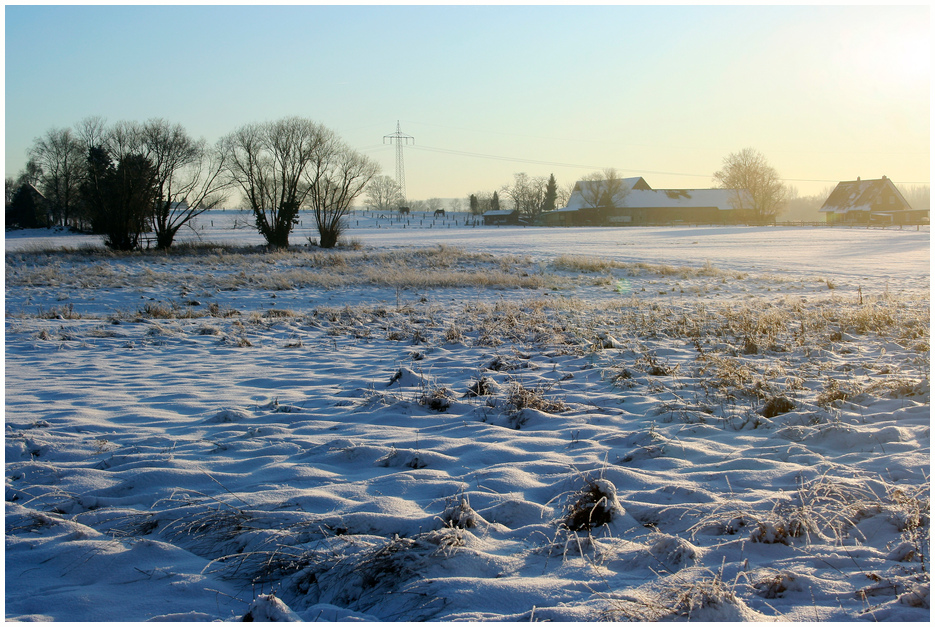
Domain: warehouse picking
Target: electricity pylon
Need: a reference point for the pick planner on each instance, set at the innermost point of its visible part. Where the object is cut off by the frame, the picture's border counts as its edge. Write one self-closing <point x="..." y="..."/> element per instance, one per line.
<point x="401" y="140"/>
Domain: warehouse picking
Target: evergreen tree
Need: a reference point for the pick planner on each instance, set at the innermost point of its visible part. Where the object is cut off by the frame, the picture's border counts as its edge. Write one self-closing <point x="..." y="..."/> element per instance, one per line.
<point x="495" y="202"/>
<point x="120" y="199"/>
<point x="94" y="189"/>
<point x="551" y="193"/>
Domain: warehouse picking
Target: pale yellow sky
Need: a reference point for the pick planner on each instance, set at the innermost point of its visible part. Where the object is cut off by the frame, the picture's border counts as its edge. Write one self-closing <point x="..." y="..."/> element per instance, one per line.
<point x="825" y="93"/>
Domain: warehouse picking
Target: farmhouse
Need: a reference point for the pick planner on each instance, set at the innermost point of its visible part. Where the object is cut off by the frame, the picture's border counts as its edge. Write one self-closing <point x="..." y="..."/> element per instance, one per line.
<point x="28" y="209"/>
<point x="636" y="203"/>
<point x="870" y="201"/>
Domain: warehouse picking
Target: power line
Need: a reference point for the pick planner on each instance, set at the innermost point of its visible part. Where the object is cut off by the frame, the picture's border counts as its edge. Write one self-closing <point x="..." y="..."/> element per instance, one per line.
<point x="542" y="162"/>
<point x="479" y="155"/>
<point x="523" y="135"/>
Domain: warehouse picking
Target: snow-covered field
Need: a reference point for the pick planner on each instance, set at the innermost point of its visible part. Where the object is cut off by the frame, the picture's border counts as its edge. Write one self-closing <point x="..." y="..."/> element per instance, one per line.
<point x="445" y="421"/>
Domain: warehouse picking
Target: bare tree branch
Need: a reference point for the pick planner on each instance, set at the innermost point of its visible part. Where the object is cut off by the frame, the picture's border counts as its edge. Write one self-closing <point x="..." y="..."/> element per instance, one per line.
<point x="756" y="185"/>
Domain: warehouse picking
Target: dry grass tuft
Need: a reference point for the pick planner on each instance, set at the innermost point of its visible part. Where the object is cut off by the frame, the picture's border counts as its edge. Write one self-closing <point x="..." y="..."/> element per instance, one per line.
<point x="777" y="405"/>
<point x="594" y="505"/>
<point x="485" y="386"/>
<point x="63" y="312"/>
<point x="438" y="399"/>
<point x="685" y="596"/>
<point x="521" y="397"/>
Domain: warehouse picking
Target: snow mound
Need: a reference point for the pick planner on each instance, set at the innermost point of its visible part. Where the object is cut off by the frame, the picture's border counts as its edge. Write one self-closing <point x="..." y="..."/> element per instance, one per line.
<point x="406" y="378"/>
<point x="181" y="617"/>
<point x="674" y="552"/>
<point x="229" y="415"/>
<point x="325" y="612"/>
<point x="268" y="609"/>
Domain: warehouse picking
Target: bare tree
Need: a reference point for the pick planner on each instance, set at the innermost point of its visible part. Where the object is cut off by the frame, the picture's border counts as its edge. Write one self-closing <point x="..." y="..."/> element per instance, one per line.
<point x="269" y="163"/>
<point x="188" y="175"/>
<point x="416" y="205"/>
<point x="433" y="204"/>
<point x="756" y="184"/>
<point x="123" y="138"/>
<point x="604" y="189"/>
<point x="336" y="175"/>
<point x="527" y="193"/>
<point x="383" y="193"/>
<point x="918" y="196"/>
<point x="92" y="131"/>
<point x="31" y="174"/>
<point x="563" y="193"/>
<point x="805" y="208"/>
<point x="62" y="160"/>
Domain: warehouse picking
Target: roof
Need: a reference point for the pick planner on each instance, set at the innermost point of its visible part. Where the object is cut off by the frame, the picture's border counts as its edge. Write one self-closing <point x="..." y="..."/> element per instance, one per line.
<point x="639" y="194"/>
<point x="681" y="198"/>
<point x="577" y="201"/>
<point x="499" y="212"/>
<point x="32" y="190"/>
<point x="671" y="198"/>
<point x="862" y="196"/>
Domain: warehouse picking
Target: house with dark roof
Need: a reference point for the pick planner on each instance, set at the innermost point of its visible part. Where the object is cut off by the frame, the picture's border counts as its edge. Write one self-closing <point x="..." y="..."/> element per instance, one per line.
<point x="870" y="201"/>
<point x="28" y="209"/>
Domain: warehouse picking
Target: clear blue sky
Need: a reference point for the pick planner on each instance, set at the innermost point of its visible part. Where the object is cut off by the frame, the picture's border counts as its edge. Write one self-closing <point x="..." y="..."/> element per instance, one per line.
<point x="825" y="93"/>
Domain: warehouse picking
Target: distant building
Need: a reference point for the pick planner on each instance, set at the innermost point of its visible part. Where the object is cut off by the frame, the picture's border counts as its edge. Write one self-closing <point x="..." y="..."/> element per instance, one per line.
<point x="675" y="206"/>
<point x="28" y="209"/>
<point x="501" y="216"/>
<point x="870" y="201"/>
<point x="636" y="203"/>
<point x="585" y="190"/>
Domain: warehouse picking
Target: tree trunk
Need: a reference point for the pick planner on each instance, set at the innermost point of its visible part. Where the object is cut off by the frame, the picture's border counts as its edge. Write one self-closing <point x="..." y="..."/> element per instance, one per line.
<point x="277" y="238"/>
<point x="328" y="238"/>
<point x="164" y="238"/>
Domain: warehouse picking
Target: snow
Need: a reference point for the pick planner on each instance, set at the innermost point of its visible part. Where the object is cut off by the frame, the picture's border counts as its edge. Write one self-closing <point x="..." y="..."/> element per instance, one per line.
<point x="280" y="437"/>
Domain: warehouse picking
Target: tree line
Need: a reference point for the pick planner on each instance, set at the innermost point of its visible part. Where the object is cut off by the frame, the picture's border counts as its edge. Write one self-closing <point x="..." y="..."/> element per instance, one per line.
<point x="531" y="196"/>
<point x="760" y="190"/>
<point x="130" y="178"/>
<point x="384" y="194"/>
<point x="527" y="194"/>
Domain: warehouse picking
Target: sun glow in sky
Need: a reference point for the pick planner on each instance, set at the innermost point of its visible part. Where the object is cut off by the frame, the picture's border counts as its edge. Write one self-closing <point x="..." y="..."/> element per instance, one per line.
<point x="826" y="93"/>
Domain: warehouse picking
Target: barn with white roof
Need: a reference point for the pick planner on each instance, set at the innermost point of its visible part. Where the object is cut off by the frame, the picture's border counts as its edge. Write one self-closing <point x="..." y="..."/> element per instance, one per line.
<point x="636" y="203"/>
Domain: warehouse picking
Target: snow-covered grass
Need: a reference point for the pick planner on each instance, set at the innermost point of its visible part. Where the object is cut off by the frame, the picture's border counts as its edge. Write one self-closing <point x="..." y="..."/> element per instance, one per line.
<point x="442" y="421"/>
